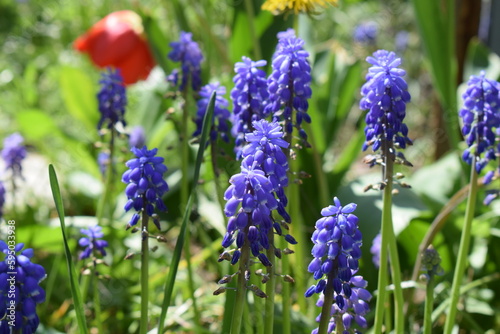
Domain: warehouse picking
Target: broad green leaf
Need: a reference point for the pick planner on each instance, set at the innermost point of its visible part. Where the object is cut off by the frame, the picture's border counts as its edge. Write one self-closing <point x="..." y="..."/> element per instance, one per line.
<point x="36" y="124"/>
<point x="73" y="280"/>
<point x="79" y="96"/>
<point x="169" y="284"/>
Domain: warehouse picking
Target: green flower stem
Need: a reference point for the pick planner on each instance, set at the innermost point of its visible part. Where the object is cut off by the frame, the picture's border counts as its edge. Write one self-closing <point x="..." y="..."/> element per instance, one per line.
<point x="429" y="302"/>
<point x="97" y="300"/>
<point x="184" y="198"/>
<point x="326" y="310"/>
<point x="270" y="286"/>
<point x="258" y="305"/>
<point x="108" y="185"/>
<point x="253" y="31"/>
<point x="285" y="291"/>
<point x="388" y="238"/>
<point x="462" y="253"/>
<point x="144" y="272"/>
<point x="241" y="288"/>
<point x="215" y="170"/>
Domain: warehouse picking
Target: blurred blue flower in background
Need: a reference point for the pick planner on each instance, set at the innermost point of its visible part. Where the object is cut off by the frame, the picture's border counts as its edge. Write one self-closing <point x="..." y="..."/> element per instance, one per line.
<point x="13" y="153"/>
<point x="365" y="33"/>
<point x="92" y="242"/>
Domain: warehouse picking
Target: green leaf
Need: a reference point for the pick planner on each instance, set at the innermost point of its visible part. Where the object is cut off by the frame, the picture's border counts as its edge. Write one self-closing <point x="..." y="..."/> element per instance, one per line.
<point x="157" y="41"/>
<point x="75" y="289"/>
<point x="169" y="284"/>
<point x="78" y="93"/>
<point x="36" y="124"/>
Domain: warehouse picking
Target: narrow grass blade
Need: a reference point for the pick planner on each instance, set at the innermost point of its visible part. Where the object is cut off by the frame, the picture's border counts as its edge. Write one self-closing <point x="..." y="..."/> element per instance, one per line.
<point x="75" y="290"/>
<point x="169" y="284"/>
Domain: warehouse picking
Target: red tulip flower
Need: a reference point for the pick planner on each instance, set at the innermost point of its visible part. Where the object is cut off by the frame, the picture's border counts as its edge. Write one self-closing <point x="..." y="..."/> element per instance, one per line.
<point x="118" y="41"/>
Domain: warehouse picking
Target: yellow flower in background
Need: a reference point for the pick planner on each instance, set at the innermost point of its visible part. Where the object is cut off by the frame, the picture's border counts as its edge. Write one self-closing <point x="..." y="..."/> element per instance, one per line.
<point x="297" y="6"/>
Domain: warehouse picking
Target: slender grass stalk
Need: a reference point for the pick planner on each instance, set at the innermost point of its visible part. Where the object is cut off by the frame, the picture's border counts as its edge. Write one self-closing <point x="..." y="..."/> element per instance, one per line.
<point x="388" y="313"/>
<point x="97" y="300"/>
<point x="286" y="292"/>
<point x="399" y="315"/>
<point x="247" y="323"/>
<point x="462" y="252"/>
<point x="184" y="198"/>
<point x="144" y="273"/>
<point x="270" y="286"/>
<point x="215" y="170"/>
<point x="258" y="304"/>
<point x="241" y="288"/>
<point x="429" y="302"/>
<point x="253" y="31"/>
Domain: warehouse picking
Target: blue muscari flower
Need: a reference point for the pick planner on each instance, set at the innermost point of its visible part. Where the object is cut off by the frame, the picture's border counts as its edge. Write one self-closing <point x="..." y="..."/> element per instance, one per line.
<point x="481" y="117"/>
<point x="221" y="113"/>
<point x="385" y="95"/>
<point x="375" y="250"/>
<point x="336" y="251"/>
<point x="18" y="301"/>
<point x="188" y="53"/>
<point x="137" y="138"/>
<point x="103" y="160"/>
<point x="289" y="83"/>
<point x="251" y="197"/>
<point x="112" y="99"/>
<point x="13" y="153"/>
<point x="145" y="184"/>
<point x="2" y="198"/>
<point x="401" y="41"/>
<point x="249" y="97"/>
<point x="365" y="33"/>
<point x="92" y="242"/>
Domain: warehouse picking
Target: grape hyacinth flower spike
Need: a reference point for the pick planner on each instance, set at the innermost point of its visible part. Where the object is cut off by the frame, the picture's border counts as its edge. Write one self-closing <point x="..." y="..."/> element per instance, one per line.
<point x="20" y="275"/>
<point x="481" y="117"/>
<point x="188" y="53"/>
<point x="112" y="99"/>
<point x="336" y="251"/>
<point x="289" y="84"/>
<point x="13" y="153"/>
<point x="145" y="185"/>
<point x="221" y="113"/>
<point x="92" y="242"/>
<point x="385" y="95"/>
<point x="249" y="97"/>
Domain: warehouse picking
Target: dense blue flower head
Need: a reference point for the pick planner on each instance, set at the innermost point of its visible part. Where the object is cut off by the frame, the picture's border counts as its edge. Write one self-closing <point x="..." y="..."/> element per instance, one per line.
<point x="112" y="99"/>
<point x="188" y="53"/>
<point x="249" y="97"/>
<point x="20" y="291"/>
<point x="385" y="95"/>
<point x="289" y="83"/>
<point x="2" y="198"/>
<point x="481" y="118"/>
<point x="221" y="113"/>
<point x="137" y="138"/>
<point x="365" y="33"/>
<point x="92" y="242"/>
<point x="256" y="191"/>
<point x="13" y="153"/>
<point x="145" y="183"/>
<point x="336" y="251"/>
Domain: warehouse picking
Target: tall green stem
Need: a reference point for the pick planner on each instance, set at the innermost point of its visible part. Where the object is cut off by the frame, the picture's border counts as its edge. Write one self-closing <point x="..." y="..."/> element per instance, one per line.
<point x="285" y="291"/>
<point x="270" y="286"/>
<point x="97" y="300"/>
<point x="462" y="253"/>
<point x="429" y="302"/>
<point x="108" y="185"/>
<point x="326" y="310"/>
<point x="144" y="273"/>
<point x="241" y="288"/>
<point x="388" y="238"/>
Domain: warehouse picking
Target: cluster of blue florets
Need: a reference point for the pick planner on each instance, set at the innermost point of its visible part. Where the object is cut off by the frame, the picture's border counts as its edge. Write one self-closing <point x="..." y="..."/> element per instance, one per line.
<point x="188" y="53"/>
<point x="145" y="183"/>
<point x="385" y="95"/>
<point x="336" y="251"/>
<point x="20" y="290"/>
<point x="112" y="99"/>
<point x="92" y="242"/>
<point x="256" y="191"/>
<point x="481" y="118"/>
